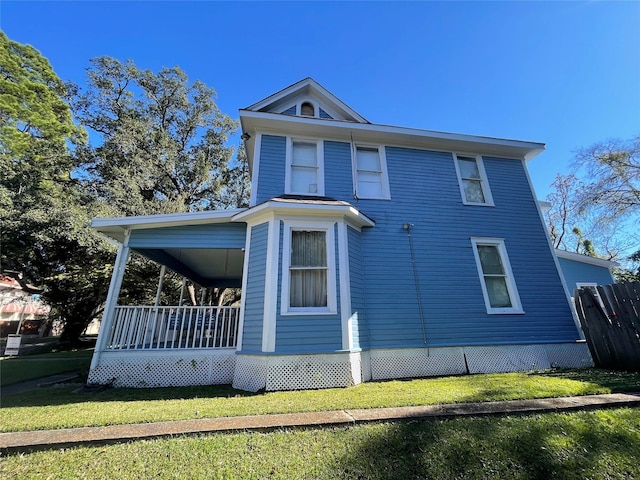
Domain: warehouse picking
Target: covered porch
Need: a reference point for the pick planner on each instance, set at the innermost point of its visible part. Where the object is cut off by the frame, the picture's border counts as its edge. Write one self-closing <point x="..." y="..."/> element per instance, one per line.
<point x="190" y="342"/>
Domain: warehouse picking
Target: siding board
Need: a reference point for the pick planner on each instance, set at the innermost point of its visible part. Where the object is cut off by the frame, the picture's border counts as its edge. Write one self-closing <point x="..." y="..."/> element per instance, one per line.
<point x="254" y="295"/>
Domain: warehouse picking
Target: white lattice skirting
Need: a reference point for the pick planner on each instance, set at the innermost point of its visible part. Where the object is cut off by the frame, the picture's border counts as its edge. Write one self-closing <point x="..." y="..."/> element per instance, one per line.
<point x="164" y="369"/>
<point x="426" y="362"/>
<point x="342" y="369"/>
<point x="298" y="372"/>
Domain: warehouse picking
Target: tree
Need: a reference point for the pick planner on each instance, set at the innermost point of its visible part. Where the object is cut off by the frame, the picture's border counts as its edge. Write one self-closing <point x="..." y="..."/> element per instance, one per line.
<point x="162" y="149"/>
<point x="613" y="167"/>
<point x="162" y="152"/>
<point x="601" y="215"/>
<point x="43" y="210"/>
<point x="163" y="145"/>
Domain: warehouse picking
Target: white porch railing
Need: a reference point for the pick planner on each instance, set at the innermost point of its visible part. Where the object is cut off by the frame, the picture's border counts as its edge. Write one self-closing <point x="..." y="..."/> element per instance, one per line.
<point x="157" y="328"/>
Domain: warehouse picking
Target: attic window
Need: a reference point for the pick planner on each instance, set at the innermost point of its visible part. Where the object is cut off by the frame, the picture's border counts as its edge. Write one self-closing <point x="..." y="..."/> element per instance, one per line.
<point x="307" y="110"/>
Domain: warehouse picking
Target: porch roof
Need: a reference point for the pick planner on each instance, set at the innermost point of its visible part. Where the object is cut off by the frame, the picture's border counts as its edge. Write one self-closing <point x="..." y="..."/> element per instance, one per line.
<point x="202" y="246"/>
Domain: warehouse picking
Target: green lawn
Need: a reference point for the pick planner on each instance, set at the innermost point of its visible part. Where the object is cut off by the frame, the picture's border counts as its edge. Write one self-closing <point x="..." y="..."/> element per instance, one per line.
<point x="70" y="407"/>
<point x="602" y="444"/>
<point x="20" y="369"/>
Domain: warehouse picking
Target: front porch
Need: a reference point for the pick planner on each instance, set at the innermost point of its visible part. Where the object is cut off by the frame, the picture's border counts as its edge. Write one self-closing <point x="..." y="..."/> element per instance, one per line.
<point x="191" y="342"/>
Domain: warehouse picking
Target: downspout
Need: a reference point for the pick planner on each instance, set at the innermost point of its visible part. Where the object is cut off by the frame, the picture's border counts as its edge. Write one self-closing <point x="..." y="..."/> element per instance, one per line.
<point x="408" y="227"/>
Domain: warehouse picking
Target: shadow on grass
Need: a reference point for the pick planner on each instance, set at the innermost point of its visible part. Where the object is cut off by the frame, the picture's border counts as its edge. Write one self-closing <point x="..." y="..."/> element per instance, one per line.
<point x="74" y="394"/>
<point x="599" y="444"/>
<point x="595" y="381"/>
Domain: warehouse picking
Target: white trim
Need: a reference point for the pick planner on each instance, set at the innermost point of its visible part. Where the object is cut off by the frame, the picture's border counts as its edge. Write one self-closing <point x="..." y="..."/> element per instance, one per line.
<point x="245" y="277"/>
<point x="345" y="287"/>
<point x="600" y="262"/>
<point x="593" y="286"/>
<point x="516" y="305"/>
<point x="271" y="287"/>
<point x="310" y="87"/>
<point x="390" y="135"/>
<point x="384" y="178"/>
<point x="166" y="220"/>
<point x="117" y="276"/>
<point x="349" y="212"/>
<point x="328" y="228"/>
<point x="484" y="181"/>
<point x="319" y="168"/>
<point x="255" y="171"/>
<point x="553" y="253"/>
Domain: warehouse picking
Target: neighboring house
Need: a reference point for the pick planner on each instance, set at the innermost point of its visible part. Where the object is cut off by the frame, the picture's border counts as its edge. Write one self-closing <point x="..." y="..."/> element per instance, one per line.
<point x="584" y="271"/>
<point x="19" y="309"/>
<point x="367" y="252"/>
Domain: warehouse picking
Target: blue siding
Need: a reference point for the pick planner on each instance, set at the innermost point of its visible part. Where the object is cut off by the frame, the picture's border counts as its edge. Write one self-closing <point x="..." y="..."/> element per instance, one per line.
<point x="578" y="272"/>
<point x="216" y="235"/>
<point x="337" y="158"/>
<point x="323" y="114"/>
<point x="290" y="111"/>
<point x="273" y="152"/>
<point x="307" y="333"/>
<point x="254" y="295"/>
<point x="357" y="289"/>
<point x="338" y="171"/>
<point x="424" y="191"/>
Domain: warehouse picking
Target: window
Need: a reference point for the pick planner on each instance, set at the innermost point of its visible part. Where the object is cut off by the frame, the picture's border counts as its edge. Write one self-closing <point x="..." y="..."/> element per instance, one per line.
<point x="498" y="284"/>
<point x="371" y="178"/>
<point x="308" y="270"/>
<point x="593" y="288"/>
<point x="304" y="171"/>
<point x="472" y="179"/>
<point x="307" y="110"/>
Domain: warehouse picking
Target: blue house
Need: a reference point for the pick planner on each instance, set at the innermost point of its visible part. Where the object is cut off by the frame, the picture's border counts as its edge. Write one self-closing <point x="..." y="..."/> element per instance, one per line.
<point x="368" y="252"/>
<point x="584" y="271"/>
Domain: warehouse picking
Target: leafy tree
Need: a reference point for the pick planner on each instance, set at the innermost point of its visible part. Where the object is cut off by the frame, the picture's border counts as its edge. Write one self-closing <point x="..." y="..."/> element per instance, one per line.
<point x="163" y="141"/>
<point x="43" y="210"/>
<point x="163" y="151"/>
<point x="161" y="147"/>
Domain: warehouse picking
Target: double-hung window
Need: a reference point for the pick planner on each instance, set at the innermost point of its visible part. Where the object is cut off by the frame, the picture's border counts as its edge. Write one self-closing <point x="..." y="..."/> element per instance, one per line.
<point x="304" y="167"/>
<point x="474" y="186"/>
<point x="498" y="284"/>
<point x="308" y="269"/>
<point x="371" y="177"/>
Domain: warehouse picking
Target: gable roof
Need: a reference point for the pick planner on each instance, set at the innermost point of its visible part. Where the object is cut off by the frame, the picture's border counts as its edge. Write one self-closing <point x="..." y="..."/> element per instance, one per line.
<point x="267" y="116"/>
<point x="577" y="257"/>
<point x="307" y="87"/>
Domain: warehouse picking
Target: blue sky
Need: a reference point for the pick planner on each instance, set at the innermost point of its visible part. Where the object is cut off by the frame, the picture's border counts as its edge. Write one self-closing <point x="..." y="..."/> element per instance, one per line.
<point x="566" y="73"/>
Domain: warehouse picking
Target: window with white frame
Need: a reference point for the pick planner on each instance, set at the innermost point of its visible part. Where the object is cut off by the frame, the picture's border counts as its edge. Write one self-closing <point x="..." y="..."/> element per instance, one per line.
<point x="371" y="176"/>
<point x="474" y="186"/>
<point x="305" y="167"/>
<point x="308" y="269"/>
<point x="498" y="284"/>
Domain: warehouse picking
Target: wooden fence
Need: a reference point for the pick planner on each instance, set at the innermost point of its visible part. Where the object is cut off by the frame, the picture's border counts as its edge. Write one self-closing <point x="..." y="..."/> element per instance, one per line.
<point x="610" y="318"/>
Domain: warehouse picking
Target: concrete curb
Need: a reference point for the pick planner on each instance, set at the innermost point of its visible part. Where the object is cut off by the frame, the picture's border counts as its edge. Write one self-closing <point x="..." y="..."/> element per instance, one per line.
<point x="51" y="439"/>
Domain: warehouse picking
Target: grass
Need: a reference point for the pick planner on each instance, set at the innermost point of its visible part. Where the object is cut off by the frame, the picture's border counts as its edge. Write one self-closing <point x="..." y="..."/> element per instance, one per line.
<point x="602" y="444"/>
<point x="70" y="407"/>
<point x="21" y="369"/>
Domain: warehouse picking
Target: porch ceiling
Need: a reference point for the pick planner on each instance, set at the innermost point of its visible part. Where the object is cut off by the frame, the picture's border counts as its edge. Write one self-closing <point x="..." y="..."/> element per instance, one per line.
<point x="209" y="267"/>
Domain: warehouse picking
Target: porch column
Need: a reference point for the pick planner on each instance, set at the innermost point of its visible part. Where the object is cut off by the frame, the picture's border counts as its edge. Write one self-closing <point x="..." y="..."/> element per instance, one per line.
<point x="112" y="299"/>
<point x="160" y="282"/>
